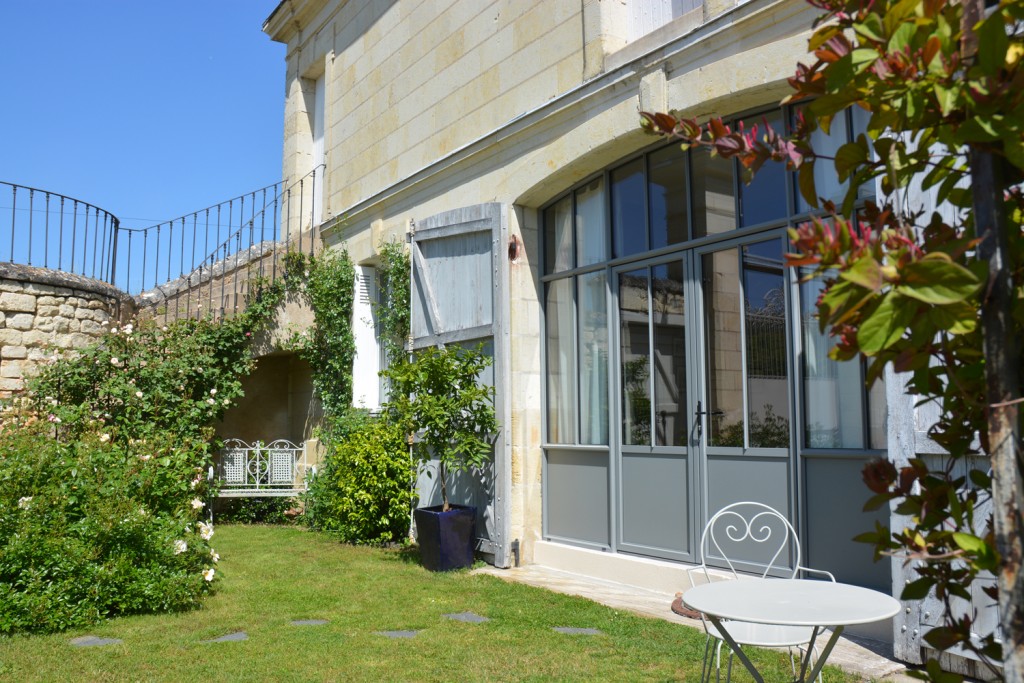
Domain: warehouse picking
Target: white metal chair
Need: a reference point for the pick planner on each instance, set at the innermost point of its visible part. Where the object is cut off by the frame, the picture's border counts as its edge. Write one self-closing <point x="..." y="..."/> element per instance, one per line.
<point x="770" y="548"/>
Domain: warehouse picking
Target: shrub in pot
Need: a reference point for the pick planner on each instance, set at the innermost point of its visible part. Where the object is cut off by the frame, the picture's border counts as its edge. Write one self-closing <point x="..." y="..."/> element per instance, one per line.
<point x="437" y="396"/>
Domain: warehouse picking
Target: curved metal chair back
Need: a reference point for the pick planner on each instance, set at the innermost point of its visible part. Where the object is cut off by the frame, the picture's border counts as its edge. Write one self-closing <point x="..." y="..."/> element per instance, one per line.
<point x="752" y="526"/>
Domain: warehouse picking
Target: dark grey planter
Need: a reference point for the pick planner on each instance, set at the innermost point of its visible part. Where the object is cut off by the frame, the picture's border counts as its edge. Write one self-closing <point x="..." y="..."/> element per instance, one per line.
<point x="446" y="539"/>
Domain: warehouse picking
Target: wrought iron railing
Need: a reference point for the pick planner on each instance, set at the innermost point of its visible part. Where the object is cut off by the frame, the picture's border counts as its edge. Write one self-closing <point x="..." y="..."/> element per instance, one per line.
<point x="51" y="230"/>
<point x="262" y="470"/>
<point x="201" y="248"/>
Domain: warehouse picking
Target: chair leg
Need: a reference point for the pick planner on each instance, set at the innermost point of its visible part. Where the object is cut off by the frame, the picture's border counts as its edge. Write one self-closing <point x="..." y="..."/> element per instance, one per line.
<point x="705" y="668"/>
<point x="718" y="662"/>
<point x="728" y="673"/>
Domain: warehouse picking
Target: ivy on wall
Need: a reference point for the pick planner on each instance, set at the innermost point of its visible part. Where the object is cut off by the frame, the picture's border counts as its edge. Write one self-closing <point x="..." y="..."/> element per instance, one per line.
<point x="393" y="281"/>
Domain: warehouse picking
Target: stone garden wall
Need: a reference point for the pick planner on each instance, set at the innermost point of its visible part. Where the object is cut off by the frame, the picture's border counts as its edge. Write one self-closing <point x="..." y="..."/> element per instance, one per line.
<point x="44" y="310"/>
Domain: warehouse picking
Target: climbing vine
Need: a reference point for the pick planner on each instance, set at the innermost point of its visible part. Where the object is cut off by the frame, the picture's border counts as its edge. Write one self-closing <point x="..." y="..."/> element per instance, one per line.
<point x="393" y="310"/>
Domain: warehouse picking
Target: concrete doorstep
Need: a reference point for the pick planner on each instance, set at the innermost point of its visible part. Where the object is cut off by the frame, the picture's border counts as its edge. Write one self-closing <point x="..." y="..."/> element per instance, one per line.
<point x="868" y="659"/>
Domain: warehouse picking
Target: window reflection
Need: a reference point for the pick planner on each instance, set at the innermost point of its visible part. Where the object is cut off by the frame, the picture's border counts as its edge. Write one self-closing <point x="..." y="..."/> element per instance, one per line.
<point x="561" y="362"/>
<point x="634" y="319"/>
<point x="667" y="196"/>
<point x="714" y="201"/>
<point x="593" y="341"/>
<point x="590" y="227"/>
<point x="721" y="280"/>
<point x="558" y="236"/>
<point x="764" y="306"/>
<point x="670" y="413"/>
<point x="629" y="227"/>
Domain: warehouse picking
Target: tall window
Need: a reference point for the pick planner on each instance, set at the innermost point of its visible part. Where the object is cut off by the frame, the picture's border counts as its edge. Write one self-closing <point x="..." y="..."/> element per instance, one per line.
<point x="641" y="209"/>
<point x="365" y="379"/>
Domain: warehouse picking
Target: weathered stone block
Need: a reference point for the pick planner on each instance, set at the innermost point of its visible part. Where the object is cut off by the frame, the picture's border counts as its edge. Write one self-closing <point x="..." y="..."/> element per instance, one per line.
<point x="20" y="321"/>
<point x="14" y="302"/>
<point x="47" y="311"/>
<point x="10" y="384"/>
<point x="94" y="304"/>
<point x="11" y="368"/>
<point x="37" y="288"/>
<point x="9" y="337"/>
<point x="77" y="341"/>
<point x="92" y="327"/>
<point x="14" y="352"/>
<point x="66" y="310"/>
<point x="56" y="324"/>
<point x="36" y="338"/>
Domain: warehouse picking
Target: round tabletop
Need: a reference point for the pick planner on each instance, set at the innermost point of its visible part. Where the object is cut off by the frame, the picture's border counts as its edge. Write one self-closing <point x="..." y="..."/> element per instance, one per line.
<point x="792" y="602"/>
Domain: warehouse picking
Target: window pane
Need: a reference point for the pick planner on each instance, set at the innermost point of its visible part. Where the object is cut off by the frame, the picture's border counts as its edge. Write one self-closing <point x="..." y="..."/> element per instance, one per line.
<point x="826" y="182"/>
<point x="666" y="194"/>
<point x="670" y="413"/>
<point x="561" y="362"/>
<point x="590" y="229"/>
<point x="833" y="391"/>
<point x="714" y="205"/>
<point x="634" y="319"/>
<point x="629" y="229"/>
<point x="764" y="199"/>
<point x="558" y="236"/>
<point x="593" y="339"/>
<point x="764" y="306"/>
<point x="724" y="358"/>
<point x="859" y="119"/>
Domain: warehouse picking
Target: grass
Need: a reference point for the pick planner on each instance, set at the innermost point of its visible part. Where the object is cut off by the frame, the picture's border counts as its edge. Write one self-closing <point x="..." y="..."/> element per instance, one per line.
<point x="270" y="576"/>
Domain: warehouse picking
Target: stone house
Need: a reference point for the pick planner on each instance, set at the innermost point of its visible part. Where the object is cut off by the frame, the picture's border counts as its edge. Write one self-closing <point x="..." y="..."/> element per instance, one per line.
<point x="654" y="360"/>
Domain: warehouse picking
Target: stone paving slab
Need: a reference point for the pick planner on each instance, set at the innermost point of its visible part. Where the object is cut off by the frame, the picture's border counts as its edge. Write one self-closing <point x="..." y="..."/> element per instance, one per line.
<point x="398" y="634"/>
<point x="309" y="622"/>
<point x="467" y="617"/>
<point x="870" y="660"/>
<point x="229" y="638"/>
<point x="94" y="641"/>
<point x="574" y="631"/>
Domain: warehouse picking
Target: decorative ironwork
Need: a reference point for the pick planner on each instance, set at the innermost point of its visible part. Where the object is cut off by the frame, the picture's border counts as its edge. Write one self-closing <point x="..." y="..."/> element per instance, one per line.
<point x="262" y="470"/>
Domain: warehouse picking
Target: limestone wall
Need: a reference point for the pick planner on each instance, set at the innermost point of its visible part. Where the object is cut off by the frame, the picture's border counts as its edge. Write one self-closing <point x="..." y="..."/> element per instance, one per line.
<point x="42" y="311"/>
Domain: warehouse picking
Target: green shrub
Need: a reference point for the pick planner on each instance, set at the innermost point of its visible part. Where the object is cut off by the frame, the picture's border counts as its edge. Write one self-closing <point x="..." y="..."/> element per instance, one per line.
<point x="102" y="472"/>
<point x="363" y="489"/>
<point x="90" y="528"/>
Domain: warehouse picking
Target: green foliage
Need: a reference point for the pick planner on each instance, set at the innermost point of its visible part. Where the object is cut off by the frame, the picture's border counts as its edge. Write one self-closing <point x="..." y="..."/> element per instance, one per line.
<point x="328" y="345"/>
<point x="393" y="280"/>
<point x="93" y="527"/>
<point x="363" y="488"/>
<point x="102" y="472"/>
<point x="437" y="395"/>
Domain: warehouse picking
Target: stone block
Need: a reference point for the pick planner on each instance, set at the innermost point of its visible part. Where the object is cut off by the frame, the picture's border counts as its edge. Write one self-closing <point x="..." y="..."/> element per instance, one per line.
<point x="11" y="384"/>
<point x="56" y="324"/>
<point x="95" y="305"/>
<point x="77" y="341"/>
<point x="9" y="337"/>
<point x="13" y="352"/>
<point x="47" y="311"/>
<point x="20" y="321"/>
<point x="14" y="302"/>
<point x="36" y="338"/>
<point x="68" y="311"/>
<point x="92" y="327"/>
<point x="37" y="288"/>
<point x="11" y="369"/>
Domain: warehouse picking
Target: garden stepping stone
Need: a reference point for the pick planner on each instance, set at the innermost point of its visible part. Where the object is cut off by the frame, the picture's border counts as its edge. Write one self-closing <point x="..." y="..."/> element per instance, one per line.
<point x="468" y="617"/>
<point x="398" y="634"/>
<point x="229" y="638"/>
<point x="309" y="622"/>
<point x="571" y="630"/>
<point x="94" y="641"/>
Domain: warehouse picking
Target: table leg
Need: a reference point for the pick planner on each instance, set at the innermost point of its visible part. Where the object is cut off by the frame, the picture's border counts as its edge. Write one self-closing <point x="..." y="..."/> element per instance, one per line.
<point x="736" y="648"/>
<point x="836" y="632"/>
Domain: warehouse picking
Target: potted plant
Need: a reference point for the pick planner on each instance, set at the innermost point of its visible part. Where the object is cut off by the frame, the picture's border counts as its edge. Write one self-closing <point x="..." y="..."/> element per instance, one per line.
<point x="438" y="397"/>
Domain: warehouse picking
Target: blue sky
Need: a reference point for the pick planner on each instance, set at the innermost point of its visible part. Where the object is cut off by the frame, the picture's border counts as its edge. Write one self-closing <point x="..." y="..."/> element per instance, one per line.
<point x="149" y="109"/>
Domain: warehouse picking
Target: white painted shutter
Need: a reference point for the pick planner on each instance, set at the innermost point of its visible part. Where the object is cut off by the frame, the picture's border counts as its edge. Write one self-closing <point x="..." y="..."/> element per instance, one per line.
<point x="365" y="380"/>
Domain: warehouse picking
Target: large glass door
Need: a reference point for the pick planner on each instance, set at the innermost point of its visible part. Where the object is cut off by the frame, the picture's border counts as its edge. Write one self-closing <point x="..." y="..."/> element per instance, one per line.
<point x="743" y="416"/>
<point x="654" y="469"/>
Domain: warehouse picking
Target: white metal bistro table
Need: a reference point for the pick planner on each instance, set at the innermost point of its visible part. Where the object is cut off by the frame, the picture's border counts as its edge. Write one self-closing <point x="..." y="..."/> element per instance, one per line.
<point x="790" y="602"/>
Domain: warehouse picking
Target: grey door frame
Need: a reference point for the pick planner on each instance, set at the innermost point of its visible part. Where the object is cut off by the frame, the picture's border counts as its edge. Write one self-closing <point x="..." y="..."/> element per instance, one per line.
<point x="617" y="448"/>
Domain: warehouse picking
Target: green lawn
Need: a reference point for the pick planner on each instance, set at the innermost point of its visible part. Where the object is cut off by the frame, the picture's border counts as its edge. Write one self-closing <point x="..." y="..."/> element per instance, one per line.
<point x="270" y="576"/>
